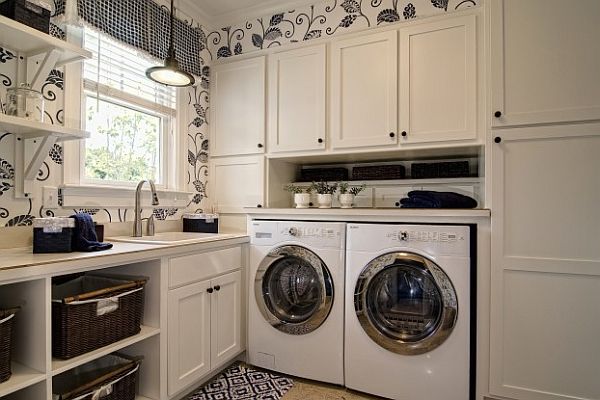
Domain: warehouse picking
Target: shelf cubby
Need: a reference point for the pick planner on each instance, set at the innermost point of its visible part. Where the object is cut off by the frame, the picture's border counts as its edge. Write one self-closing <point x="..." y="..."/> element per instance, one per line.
<point x="35" y="391"/>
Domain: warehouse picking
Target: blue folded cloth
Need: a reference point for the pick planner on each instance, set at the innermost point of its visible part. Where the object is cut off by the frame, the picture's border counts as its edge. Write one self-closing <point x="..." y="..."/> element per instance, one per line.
<point x="84" y="235"/>
<point x="431" y="199"/>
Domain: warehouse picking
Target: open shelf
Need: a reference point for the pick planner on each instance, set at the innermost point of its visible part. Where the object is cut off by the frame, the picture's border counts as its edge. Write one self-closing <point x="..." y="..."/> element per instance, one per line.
<point x="21" y="378"/>
<point x="31" y="129"/>
<point x="60" y="366"/>
<point x="29" y="42"/>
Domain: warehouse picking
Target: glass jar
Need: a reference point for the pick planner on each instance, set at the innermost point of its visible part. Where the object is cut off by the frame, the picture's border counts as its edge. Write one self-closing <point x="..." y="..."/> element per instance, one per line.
<point x="25" y="102"/>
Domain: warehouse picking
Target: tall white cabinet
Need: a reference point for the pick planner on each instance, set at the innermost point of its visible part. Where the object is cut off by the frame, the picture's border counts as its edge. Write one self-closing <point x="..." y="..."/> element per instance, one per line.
<point x="438" y="81"/>
<point x="545" y="277"/>
<point x="545" y="61"/>
<point x="364" y="94"/>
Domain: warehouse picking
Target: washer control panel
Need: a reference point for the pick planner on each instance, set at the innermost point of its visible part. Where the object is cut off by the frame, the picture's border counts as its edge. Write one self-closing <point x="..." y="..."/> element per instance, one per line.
<point x="316" y="234"/>
<point x="309" y="232"/>
<point x="425" y="236"/>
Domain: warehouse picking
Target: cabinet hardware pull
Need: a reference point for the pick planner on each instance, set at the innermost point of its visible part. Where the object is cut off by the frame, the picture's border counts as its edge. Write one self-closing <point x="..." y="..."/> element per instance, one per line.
<point x="498" y="114"/>
<point x="209" y="290"/>
<point x="259" y="206"/>
<point x="217" y="288"/>
<point x="260" y="145"/>
<point x="397" y="204"/>
<point x="392" y="134"/>
<point x="320" y="140"/>
<point x="404" y="133"/>
<point x="497" y="139"/>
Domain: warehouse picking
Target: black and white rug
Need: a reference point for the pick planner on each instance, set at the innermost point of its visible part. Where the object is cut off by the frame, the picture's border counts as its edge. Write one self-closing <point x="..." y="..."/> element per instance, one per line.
<point x="243" y="382"/>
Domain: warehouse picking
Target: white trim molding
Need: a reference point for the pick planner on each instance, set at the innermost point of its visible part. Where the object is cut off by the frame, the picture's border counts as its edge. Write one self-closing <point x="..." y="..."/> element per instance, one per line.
<point x="80" y="196"/>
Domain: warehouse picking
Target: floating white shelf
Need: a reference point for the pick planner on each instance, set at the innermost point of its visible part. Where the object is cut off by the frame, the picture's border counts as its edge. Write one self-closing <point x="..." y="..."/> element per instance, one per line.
<point x="60" y="366"/>
<point x="31" y="129"/>
<point x="21" y="378"/>
<point x="28" y="42"/>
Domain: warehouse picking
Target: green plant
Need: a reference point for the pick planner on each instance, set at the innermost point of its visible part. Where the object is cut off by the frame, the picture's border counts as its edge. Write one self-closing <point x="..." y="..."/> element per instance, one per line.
<point x="343" y="187"/>
<point x="324" y="187"/>
<point x="355" y="190"/>
<point x="295" y="189"/>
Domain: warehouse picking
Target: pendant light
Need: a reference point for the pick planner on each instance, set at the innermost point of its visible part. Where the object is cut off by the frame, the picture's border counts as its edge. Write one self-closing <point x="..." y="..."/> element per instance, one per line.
<point x="170" y="74"/>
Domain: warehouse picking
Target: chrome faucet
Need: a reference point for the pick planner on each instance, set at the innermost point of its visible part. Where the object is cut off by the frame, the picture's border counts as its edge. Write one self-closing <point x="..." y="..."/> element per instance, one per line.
<point x="137" y="223"/>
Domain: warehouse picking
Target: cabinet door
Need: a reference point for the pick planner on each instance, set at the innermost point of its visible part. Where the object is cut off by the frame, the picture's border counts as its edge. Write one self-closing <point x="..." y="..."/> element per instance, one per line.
<point x="297" y="100"/>
<point x="545" y="61"/>
<point x="438" y="81"/>
<point x="237" y="182"/>
<point x="238" y="108"/>
<point x="189" y="335"/>
<point x="226" y="318"/>
<point x="545" y="287"/>
<point x="364" y="91"/>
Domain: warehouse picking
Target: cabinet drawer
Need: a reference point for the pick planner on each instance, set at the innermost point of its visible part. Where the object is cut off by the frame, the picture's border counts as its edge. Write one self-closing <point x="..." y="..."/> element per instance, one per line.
<point x="196" y="267"/>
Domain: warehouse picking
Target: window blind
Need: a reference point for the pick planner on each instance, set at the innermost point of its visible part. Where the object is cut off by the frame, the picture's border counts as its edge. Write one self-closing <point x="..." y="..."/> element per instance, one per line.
<point x="118" y="68"/>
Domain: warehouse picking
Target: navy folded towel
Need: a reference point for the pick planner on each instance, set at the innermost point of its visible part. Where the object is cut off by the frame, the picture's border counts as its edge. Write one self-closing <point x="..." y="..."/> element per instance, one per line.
<point x="431" y="199"/>
<point x="84" y="236"/>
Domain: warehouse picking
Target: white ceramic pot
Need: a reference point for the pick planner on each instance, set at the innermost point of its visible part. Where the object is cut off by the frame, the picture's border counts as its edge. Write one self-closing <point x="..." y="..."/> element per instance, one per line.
<point x="302" y="200"/>
<point x="324" y="200"/>
<point x="346" y="200"/>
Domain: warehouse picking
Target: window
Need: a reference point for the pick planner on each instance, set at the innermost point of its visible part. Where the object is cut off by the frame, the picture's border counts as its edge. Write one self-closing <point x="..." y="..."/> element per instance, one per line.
<point x="130" y="118"/>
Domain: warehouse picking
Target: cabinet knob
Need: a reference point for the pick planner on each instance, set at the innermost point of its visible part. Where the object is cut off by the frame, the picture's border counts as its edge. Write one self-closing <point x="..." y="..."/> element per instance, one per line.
<point x="497" y="139"/>
<point x="217" y="288"/>
<point x="259" y="206"/>
<point x="404" y="133"/>
<point x="397" y="204"/>
<point x="209" y="290"/>
<point x="320" y="140"/>
<point x="392" y="134"/>
<point x="260" y="145"/>
<point x="498" y="114"/>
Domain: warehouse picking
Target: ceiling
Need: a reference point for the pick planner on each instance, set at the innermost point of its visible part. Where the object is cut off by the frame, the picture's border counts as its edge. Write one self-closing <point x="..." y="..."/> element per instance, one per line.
<point x="217" y="13"/>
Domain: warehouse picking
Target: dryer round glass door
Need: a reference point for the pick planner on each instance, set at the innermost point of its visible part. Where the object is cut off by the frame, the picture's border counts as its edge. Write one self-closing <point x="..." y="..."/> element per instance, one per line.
<point x="293" y="290"/>
<point x="405" y="303"/>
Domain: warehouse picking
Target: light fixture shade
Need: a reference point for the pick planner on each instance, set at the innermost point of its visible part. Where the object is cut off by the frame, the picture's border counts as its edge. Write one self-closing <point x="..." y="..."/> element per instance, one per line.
<point x="170" y="74"/>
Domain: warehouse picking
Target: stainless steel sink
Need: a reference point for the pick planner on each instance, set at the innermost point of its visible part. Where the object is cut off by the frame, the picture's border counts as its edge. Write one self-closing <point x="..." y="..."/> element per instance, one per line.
<point x="171" y="238"/>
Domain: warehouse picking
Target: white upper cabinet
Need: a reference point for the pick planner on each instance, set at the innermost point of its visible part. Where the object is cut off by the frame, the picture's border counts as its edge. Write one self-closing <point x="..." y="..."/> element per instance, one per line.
<point x="438" y="81"/>
<point x="297" y="100"/>
<point x="545" y="61"/>
<point x="238" y="108"/>
<point x="364" y="91"/>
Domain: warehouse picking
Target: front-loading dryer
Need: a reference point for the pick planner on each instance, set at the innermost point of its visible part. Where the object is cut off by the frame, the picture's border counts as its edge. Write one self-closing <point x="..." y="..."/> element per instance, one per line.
<point x="408" y="311"/>
<point x="296" y="298"/>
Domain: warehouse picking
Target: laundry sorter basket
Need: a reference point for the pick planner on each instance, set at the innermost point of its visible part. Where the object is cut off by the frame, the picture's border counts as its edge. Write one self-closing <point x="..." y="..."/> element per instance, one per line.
<point x="7" y="317"/>
<point x="111" y="377"/>
<point x="93" y="311"/>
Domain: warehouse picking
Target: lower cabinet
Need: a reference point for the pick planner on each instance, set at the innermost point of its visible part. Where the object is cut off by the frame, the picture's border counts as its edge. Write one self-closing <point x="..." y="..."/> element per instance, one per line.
<point x="204" y="320"/>
<point x="237" y="182"/>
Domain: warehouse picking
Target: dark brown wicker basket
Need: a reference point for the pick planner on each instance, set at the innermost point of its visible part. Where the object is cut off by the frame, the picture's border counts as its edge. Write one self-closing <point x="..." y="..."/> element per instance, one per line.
<point x="78" y="324"/>
<point x="450" y="169"/>
<point x="378" y="172"/>
<point x="6" y="330"/>
<point x="323" y="174"/>
<point x="113" y="377"/>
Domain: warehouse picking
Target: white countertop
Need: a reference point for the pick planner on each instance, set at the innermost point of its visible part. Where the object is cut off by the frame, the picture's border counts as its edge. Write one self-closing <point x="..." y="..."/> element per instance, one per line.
<point x="22" y="257"/>
<point x="374" y="212"/>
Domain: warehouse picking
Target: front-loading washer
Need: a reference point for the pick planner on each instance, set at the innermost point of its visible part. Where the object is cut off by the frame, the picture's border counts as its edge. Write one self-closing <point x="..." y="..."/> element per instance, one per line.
<point x="408" y="311"/>
<point x="296" y="298"/>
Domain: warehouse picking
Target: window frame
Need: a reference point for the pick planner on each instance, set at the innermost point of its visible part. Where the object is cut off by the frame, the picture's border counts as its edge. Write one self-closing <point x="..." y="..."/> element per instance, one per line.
<point x="174" y="186"/>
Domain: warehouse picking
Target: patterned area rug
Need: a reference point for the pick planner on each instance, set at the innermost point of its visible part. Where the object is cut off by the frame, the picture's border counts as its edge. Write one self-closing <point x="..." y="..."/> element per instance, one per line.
<point x="244" y="382"/>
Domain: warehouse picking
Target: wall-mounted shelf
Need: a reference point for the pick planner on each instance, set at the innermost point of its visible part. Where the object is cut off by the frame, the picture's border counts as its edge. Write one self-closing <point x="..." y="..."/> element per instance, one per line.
<point x="30" y="42"/>
<point x="22" y="377"/>
<point x="33" y="142"/>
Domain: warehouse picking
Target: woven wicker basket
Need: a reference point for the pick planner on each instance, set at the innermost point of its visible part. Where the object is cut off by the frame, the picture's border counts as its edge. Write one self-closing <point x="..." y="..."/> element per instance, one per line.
<point x="112" y="377"/>
<point x="378" y="172"/>
<point x="6" y="328"/>
<point x="93" y="311"/>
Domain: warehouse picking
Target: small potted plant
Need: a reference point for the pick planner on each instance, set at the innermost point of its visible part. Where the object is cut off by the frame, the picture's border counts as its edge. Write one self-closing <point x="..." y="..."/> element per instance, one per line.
<point x="301" y="194"/>
<point x="325" y="193"/>
<point x="348" y="193"/>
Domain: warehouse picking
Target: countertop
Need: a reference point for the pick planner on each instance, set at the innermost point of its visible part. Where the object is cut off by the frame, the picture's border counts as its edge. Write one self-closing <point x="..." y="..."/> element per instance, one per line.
<point x="22" y="257"/>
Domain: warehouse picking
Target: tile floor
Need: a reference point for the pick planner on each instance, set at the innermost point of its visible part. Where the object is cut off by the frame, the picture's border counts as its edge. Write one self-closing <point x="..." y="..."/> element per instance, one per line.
<point x="310" y="390"/>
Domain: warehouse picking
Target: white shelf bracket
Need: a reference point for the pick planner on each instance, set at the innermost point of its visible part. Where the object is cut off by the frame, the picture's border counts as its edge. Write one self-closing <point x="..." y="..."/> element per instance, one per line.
<point x="39" y="68"/>
<point x="29" y="156"/>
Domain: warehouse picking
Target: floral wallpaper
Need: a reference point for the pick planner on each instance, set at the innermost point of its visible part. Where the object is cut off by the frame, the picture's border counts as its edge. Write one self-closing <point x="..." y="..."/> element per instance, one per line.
<point x="20" y="212"/>
<point x="322" y="19"/>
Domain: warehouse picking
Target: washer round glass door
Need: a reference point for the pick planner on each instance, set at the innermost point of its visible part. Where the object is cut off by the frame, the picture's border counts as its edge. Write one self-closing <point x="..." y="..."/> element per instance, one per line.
<point x="293" y="289"/>
<point x="405" y="303"/>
